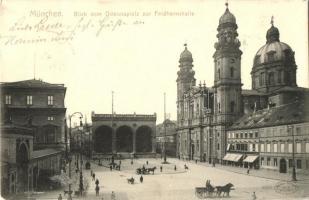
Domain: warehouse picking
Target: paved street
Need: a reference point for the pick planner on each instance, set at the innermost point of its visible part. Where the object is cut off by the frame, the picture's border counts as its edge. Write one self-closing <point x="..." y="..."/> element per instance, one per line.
<point x="180" y="185"/>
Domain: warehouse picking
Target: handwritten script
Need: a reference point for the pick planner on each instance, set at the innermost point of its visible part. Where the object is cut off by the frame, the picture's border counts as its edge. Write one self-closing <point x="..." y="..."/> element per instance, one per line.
<point x="48" y="29"/>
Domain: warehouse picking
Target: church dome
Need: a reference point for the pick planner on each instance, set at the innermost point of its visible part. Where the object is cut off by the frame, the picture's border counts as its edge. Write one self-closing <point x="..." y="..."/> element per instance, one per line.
<point x="186" y="55"/>
<point x="273" y="50"/>
<point x="227" y="17"/>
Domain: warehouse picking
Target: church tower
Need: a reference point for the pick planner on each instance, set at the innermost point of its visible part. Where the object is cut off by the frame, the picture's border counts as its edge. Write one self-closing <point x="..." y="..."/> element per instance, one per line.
<point x="227" y="81"/>
<point x="184" y="80"/>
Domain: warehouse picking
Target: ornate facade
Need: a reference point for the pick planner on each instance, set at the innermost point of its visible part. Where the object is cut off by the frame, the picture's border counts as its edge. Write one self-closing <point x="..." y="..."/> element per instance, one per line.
<point x="210" y="118"/>
<point x="123" y="135"/>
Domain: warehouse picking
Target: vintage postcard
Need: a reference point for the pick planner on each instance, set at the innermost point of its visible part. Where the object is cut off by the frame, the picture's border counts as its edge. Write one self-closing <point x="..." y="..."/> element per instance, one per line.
<point x="143" y="100"/>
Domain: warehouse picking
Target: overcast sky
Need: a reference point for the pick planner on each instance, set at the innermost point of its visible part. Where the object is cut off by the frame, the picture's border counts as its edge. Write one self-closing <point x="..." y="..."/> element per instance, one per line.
<point x="138" y="60"/>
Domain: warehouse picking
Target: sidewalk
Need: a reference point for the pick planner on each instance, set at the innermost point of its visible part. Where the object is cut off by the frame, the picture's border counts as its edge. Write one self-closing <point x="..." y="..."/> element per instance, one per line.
<point x="262" y="173"/>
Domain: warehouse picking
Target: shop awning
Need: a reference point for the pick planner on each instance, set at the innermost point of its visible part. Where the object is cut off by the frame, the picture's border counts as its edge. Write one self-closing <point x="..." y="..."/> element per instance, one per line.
<point x="227" y="156"/>
<point x="237" y="157"/>
<point x="251" y="159"/>
<point x="232" y="157"/>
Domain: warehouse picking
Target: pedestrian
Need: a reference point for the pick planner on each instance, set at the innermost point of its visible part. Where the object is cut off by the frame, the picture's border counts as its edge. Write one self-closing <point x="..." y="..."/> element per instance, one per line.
<point x="161" y="168"/>
<point x="175" y="168"/>
<point x="97" y="190"/>
<point x="113" y="196"/>
<point x="254" y="196"/>
<point x="195" y="161"/>
<point x="248" y="171"/>
<point x="132" y="162"/>
<point x="141" y="179"/>
<point x="59" y="197"/>
<point x="147" y="162"/>
<point x="93" y="176"/>
<point x="119" y="162"/>
<point x="111" y="167"/>
<point x="97" y="182"/>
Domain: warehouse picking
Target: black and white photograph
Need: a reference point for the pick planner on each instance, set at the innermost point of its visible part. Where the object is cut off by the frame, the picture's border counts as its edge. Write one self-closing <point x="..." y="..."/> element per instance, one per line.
<point x="154" y="99"/>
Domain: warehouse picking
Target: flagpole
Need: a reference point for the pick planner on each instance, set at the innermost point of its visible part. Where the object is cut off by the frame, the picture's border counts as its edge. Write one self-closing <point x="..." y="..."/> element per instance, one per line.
<point x="164" y="123"/>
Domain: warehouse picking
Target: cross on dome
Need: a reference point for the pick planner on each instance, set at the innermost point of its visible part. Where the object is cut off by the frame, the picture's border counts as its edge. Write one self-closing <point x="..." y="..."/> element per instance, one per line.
<point x="227" y="4"/>
<point x="272" y="21"/>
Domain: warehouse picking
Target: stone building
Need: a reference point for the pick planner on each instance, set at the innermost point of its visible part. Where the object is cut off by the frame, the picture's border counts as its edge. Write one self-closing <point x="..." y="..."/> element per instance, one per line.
<point x="166" y="131"/>
<point x="32" y="132"/>
<point x="39" y="105"/>
<point x="123" y="135"/>
<point x="245" y="127"/>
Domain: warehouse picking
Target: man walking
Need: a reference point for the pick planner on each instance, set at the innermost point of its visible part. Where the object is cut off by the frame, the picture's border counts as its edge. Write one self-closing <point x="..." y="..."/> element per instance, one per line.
<point x="141" y="179"/>
<point x="97" y="190"/>
<point x="113" y="196"/>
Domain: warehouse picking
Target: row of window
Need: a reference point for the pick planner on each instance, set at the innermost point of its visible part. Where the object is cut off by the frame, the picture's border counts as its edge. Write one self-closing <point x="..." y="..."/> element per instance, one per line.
<point x="260" y="80"/>
<point x="49" y="118"/>
<point x="274" y="147"/>
<point x="275" y="131"/>
<point x="29" y="100"/>
<point x="275" y="162"/>
<point x="243" y="135"/>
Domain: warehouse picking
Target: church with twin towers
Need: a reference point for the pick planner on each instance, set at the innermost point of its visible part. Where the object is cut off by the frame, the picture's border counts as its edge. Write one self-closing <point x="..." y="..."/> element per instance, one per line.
<point x="230" y="125"/>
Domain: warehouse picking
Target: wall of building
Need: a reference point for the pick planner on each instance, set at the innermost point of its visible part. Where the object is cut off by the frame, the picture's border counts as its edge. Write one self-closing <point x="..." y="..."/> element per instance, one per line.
<point x="273" y="144"/>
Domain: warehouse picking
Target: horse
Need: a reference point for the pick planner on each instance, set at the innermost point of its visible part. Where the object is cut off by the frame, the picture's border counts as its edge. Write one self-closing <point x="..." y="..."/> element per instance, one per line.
<point x="225" y="189"/>
<point x="152" y="169"/>
<point x="117" y="167"/>
<point x="130" y="180"/>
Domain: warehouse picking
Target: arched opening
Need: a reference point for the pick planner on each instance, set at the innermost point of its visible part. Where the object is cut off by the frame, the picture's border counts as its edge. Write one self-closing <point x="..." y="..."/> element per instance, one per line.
<point x="124" y="139"/>
<point x="103" y="139"/>
<point x="283" y="168"/>
<point x="143" y="139"/>
<point x="22" y="159"/>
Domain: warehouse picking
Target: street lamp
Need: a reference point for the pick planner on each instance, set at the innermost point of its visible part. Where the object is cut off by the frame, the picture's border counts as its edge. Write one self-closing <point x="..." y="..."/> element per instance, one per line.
<point x="290" y="127"/>
<point x="164" y="124"/>
<point x="70" y="157"/>
<point x="81" y="185"/>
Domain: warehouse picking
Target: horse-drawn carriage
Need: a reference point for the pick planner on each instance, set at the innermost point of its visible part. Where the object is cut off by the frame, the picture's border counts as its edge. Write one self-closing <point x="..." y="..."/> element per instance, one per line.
<point x="213" y="191"/>
<point x="143" y="170"/>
